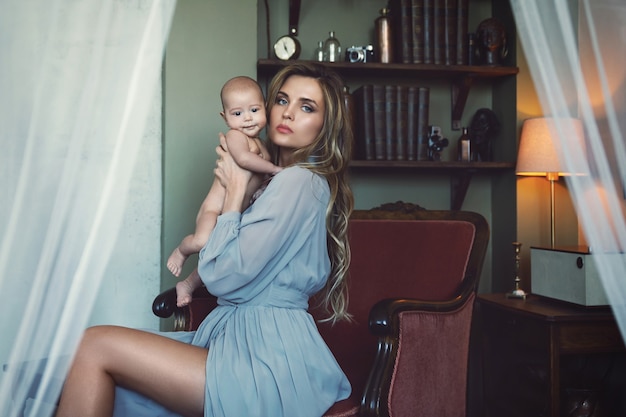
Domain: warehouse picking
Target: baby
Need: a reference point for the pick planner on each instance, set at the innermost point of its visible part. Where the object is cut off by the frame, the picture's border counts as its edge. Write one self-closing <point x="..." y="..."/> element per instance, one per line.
<point x="244" y="112"/>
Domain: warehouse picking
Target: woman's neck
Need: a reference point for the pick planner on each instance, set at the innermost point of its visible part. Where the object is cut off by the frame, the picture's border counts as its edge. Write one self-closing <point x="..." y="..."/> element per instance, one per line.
<point x="285" y="157"/>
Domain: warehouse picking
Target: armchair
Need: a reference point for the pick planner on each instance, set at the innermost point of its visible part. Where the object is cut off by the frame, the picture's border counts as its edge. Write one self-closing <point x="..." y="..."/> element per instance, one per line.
<point x="413" y="279"/>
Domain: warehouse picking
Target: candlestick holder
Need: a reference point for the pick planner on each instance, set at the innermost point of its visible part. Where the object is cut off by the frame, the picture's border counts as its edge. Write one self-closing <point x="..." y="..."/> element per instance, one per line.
<point x="517" y="291"/>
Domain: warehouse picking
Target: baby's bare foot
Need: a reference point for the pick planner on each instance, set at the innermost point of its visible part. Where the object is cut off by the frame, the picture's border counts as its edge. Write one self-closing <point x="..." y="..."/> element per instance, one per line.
<point x="184" y="291"/>
<point x="176" y="261"/>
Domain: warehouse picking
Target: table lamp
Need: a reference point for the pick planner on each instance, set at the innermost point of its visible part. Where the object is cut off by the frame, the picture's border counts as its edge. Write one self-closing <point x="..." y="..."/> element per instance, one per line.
<point x="537" y="155"/>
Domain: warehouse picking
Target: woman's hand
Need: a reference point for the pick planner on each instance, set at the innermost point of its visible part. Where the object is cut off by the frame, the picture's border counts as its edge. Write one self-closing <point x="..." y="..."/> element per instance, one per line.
<point x="232" y="177"/>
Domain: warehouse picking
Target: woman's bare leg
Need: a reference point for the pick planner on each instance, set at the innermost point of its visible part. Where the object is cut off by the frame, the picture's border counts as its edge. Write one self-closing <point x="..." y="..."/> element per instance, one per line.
<point x="170" y="372"/>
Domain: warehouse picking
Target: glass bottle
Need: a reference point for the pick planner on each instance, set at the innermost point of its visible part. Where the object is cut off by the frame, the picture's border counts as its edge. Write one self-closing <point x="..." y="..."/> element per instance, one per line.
<point x="332" y="48"/>
<point x="472" y="58"/>
<point x="318" y="54"/>
<point x="463" y="147"/>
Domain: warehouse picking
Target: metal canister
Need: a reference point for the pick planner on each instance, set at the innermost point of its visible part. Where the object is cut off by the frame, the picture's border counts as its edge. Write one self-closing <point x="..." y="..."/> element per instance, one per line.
<point x="384" y="37"/>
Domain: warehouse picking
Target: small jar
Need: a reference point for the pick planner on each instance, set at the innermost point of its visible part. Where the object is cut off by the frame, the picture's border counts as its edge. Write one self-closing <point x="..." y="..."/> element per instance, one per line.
<point x="318" y="54"/>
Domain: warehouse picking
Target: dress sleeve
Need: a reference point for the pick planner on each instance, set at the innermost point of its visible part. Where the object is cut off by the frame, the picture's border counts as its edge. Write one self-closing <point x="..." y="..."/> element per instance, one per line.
<point x="249" y="249"/>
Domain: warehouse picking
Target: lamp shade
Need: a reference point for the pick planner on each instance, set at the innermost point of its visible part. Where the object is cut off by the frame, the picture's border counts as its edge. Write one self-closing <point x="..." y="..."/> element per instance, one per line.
<point x="538" y="149"/>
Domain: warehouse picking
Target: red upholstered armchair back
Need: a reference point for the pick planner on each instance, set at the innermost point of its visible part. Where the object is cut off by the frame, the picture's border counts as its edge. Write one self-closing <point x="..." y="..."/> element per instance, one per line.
<point x="422" y="256"/>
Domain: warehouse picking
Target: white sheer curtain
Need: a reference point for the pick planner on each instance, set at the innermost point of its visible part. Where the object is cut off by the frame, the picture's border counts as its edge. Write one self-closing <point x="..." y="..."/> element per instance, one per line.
<point x="575" y="50"/>
<point x="77" y="78"/>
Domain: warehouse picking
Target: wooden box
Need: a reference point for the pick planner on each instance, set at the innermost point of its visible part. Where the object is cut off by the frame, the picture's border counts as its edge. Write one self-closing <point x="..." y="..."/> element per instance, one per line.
<point x="568" y="275"/>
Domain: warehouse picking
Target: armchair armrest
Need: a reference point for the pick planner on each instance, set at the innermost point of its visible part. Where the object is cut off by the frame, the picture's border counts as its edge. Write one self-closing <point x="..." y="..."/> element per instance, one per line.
<point x="188" y="317"/>
<point x="384" y="315"/>
<point x="164" y="304"/>
<point x="388" y="320"/>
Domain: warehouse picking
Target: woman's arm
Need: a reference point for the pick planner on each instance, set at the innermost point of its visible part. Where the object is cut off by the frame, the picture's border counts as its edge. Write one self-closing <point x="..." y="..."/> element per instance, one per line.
<point x="288" y="218"/>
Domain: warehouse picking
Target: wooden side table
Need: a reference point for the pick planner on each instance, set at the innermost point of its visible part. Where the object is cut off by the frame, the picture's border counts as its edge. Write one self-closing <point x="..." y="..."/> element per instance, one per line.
<point x="527" y="342"/>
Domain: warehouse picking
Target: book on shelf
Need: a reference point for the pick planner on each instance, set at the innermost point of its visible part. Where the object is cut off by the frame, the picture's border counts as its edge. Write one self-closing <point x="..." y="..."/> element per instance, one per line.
<point x="391" y="131"/>
<point x="364" y="109"/>
<point x="423" y="107"/>
<point x="450" y="28"/>
<point x="428" y="29"/>
<point x="462" y="30"/>
<point x="439" y="32"/>
<point x="402" y="26"/>
<point x="411" y="128"/>
<point x="402" y="123"/>
<point x="380" y="116"/>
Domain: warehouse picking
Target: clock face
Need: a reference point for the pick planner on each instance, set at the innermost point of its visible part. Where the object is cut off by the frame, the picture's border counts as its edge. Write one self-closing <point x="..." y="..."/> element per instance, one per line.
<point x="287" y="47"/>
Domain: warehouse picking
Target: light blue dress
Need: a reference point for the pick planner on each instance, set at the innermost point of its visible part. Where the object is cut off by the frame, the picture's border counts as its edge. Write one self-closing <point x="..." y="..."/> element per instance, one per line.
<point x="266" y="357"/>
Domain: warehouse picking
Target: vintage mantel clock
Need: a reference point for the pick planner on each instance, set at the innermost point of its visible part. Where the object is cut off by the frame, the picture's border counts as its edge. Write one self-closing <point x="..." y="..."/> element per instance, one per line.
<point x="288" y="47"/>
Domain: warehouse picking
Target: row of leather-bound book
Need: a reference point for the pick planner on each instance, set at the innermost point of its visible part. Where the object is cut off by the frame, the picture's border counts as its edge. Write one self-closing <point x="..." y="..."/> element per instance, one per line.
<point x="430" y="31"/>
<point x="391" y="122"/>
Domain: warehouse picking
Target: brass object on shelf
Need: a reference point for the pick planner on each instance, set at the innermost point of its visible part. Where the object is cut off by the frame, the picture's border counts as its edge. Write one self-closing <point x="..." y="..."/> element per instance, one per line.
<point x="517" y="291"/>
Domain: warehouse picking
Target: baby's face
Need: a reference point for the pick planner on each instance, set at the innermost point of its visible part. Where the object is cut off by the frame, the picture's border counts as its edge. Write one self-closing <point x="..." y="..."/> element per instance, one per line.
<point x="245" y="111"/>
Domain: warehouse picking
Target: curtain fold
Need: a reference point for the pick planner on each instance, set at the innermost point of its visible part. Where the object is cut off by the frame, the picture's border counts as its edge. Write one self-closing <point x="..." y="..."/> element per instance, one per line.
<point x="77" y="79"/>
<point x="575" y="53"/>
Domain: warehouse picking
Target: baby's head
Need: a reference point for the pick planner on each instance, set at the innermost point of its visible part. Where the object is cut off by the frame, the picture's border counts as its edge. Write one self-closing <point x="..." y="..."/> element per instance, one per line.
<point x="243" y="106"/>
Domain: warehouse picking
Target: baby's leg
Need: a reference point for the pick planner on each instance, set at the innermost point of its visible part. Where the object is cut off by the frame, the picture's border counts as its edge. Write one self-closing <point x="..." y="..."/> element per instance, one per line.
<point x="192" y="243"/>
<point x="205" y="222"/>
<point x="186" y="287"/>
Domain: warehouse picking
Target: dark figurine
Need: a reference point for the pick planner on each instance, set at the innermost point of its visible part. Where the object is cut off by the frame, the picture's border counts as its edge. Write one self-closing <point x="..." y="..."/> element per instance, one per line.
<point x="491" y="41"/>
<point x="482" y="130"/>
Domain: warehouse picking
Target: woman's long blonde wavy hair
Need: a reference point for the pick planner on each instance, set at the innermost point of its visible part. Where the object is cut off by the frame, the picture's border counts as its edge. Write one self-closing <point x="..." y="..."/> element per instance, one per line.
<point x="328" y="155"/>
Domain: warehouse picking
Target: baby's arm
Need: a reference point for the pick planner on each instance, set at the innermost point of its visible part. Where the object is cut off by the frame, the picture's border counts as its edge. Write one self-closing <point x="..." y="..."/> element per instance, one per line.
<point x="239" y="148"/>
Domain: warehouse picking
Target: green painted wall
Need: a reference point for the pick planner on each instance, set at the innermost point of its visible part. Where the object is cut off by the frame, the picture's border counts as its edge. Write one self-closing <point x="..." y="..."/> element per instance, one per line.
<point x="210" y="42"/>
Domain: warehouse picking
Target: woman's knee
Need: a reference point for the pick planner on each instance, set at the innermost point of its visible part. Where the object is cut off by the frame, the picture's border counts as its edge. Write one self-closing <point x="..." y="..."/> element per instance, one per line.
<point x="94" y="343"/>
<point x="96" y="334"/>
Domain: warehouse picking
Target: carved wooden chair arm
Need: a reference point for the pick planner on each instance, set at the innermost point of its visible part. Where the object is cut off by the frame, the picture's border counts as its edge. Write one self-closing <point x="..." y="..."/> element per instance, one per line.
<point x="188" y="317"/>
<point x="385" y="323"/>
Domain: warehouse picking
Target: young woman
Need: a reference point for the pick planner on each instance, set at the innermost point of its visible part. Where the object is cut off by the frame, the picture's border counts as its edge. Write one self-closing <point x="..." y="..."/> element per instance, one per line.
<point x="259" y="352"/>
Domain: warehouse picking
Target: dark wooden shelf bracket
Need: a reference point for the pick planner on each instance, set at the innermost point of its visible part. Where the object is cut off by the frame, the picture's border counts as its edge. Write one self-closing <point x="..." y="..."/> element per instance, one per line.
<point x="459" y="183"/>
<point x="460" y="91"/>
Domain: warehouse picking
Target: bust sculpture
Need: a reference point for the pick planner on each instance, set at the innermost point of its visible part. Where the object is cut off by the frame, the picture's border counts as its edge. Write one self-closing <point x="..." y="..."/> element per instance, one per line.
<point x="483" y="128"/>
<point x="491" y="37"/>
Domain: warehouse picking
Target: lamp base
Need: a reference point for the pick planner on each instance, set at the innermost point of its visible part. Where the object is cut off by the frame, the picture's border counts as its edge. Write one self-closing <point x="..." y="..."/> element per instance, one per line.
<point x="517" y="293"/>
